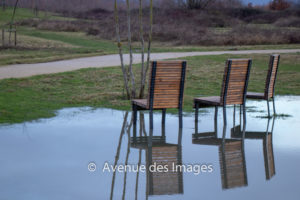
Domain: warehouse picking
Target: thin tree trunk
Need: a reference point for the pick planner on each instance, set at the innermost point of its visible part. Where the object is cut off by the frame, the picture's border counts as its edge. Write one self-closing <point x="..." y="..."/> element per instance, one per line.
<point x="36" y="9"/>
<point x="149" y="43"/>
<point x="130" y="50"/>
<point x="143" y="51"/>
<point x="3" y="5"/>
<point x="12" y="20"/>
<point x="124" y="71"/>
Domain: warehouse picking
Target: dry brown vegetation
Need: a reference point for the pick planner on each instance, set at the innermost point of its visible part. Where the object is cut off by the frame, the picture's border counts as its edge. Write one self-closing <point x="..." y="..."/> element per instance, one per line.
<point x="178" y="22"/>
<point x="226" y="26"/>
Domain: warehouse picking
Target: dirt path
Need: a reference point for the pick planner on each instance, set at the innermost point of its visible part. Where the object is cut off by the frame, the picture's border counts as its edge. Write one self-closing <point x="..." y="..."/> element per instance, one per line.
<point x="26" y="70"/>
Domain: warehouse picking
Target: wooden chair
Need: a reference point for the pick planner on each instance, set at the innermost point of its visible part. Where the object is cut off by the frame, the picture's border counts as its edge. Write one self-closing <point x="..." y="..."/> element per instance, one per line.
<point x="166" y="88"/>
<point x="234" y="88"/>
<point x="270" y="84"/>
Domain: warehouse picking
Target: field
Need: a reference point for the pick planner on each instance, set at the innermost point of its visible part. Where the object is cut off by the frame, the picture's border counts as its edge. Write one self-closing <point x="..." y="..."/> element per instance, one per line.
<point x="37" y="97"/>
<point x="51" y="36"/>
<point x="54" y="36"/>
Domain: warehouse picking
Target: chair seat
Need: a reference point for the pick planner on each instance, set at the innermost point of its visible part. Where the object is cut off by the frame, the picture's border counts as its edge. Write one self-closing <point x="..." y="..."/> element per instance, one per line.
<point x="255" y="95"/>
<point x="208" y="101"/>
<point x="141" y="103"/>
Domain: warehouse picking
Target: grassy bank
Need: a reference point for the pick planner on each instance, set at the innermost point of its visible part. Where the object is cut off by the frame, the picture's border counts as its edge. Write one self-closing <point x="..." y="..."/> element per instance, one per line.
<point x="35" y="45"/>
<point x="40" y="96"/>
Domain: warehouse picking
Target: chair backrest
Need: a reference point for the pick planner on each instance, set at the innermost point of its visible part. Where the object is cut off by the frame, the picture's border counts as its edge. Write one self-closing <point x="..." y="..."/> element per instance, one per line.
<point x="166" y="84"/>
<point x="235" y="81"/>
<point x="271" y="76"/>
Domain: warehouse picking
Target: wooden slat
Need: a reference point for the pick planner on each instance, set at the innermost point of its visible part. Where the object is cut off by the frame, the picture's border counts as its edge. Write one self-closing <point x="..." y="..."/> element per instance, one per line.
<point x="167" y="84"/>
<point x="271" y="76"/>
<point x="236" y="84"/>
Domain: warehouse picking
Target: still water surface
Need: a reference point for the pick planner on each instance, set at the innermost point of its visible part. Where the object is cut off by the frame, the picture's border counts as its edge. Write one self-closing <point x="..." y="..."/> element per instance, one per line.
<point x="49" y="158"/>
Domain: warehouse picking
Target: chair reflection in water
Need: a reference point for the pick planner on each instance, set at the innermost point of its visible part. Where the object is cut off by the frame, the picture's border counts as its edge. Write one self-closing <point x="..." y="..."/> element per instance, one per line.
<point x="231" y="156"/>
<point x="267" y="138"/>
<point x="159" y="152"/>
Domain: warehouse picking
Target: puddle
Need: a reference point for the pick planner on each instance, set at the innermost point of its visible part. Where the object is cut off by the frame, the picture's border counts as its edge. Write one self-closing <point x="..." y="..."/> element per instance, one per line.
<point x="49" y="158"/>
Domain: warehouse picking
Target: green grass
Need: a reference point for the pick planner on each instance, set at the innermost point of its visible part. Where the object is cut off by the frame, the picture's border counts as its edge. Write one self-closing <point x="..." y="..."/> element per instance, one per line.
<point x="64" y="44"/>
<point x="24" y="13"/>
<point x="40" y="96"/>
<point x="21" y="13"/>
<point x="159" y="47"/>
<point x="75" y="39"/>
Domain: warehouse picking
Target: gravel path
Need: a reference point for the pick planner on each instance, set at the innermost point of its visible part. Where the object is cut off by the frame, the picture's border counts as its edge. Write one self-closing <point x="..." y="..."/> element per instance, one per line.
<point x="26" y="70"/>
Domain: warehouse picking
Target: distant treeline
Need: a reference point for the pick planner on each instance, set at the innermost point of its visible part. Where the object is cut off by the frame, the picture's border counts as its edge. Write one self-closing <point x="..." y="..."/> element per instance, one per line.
<point x="69" y="6"/>
<point x="63" y="5"/>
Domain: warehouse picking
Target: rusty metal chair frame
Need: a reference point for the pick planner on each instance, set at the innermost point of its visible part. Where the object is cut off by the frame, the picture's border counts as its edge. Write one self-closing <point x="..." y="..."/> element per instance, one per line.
<point x="269" y="92"/>
<point x="223" y="97"/>
<point x="151" y="99"/>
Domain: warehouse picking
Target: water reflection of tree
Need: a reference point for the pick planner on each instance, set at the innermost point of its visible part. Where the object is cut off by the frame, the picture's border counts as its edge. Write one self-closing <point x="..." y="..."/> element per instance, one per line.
<point x="125" y="127"/>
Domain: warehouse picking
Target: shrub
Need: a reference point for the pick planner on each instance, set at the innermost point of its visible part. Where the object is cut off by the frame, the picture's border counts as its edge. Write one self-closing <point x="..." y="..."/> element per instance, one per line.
<point x="288" y="22"/>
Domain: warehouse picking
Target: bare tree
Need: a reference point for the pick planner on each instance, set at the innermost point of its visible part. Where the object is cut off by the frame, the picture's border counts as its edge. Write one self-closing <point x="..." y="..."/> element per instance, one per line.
<point x="198" y="4"/>
<point x="279" y="4"/>
<point x="128" y="75"/>
<point x="12" y="20"/>
<point x="142" y="49"/>
<point x="148" y="51"/>
<point x="124" y="71"/>
<point x="3" y="5"/>
<point x="131" y="75"/>
<point x="36" y="8"/>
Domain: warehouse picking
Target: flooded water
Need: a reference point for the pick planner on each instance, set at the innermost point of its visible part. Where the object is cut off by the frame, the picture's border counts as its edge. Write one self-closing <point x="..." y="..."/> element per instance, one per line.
<point x="72" y="156"/>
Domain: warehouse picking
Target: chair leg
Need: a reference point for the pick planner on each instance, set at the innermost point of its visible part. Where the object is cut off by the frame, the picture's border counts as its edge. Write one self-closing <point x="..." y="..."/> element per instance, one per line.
<point x="163" y="117"/>
<point x="134" y="133"/>
<point x="180" y="117"/>
<point x="274" y="110"/>
<point x="240" y="114"/>
<point x="224" y="115"/>
<point x="268" y="108"/>
<point x="216" y="120"/>
<point x="196" y="112"/>
<point x="134" y="108"/>
<point x="216" y="112"/>
<point x="151" y="118"/>
<point x="233" y="115"/>
<point x="244" y="115"/>
<point x="163" y="131"/>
